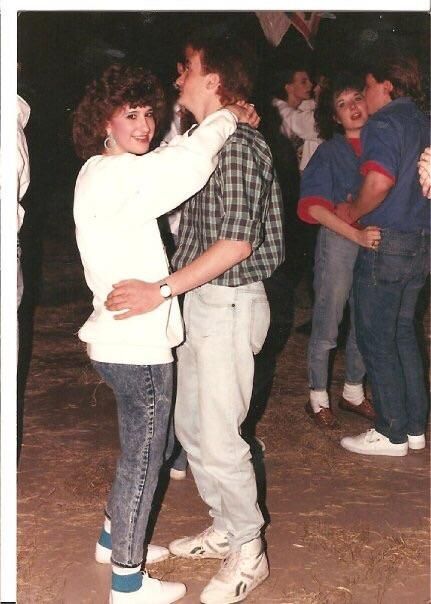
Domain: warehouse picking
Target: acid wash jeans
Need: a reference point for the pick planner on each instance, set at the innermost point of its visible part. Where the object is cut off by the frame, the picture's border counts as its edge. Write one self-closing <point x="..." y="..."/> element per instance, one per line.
<point x="144" y="398"/>
<point x="335" y="259"/>
<point x="386" y="288"/>
<point x="225" y="327"/>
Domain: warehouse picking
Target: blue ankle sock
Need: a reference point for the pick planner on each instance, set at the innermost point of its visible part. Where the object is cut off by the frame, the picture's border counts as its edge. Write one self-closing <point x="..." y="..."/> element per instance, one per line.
<point x="127" y="583"/>
<point x="105" y="539"/>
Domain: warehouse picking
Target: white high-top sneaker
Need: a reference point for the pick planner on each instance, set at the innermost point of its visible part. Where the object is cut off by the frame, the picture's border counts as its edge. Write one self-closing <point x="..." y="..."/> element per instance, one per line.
<point x="152" y="591"/>
<point x="208" y="544"/>
<point x="240" y="573"/>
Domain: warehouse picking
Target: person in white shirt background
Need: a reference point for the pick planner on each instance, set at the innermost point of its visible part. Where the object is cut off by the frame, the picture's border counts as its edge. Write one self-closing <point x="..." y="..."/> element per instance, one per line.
<point x="23" y="181"/>
<point x="296" y="105"/>
<point x="23" y="178"/>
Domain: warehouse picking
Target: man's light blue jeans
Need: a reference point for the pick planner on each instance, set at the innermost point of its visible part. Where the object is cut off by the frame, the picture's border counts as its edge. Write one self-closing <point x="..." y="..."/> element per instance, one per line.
<point x="335" y="259"/>
<point x="225" y="327"/>
<point x="386" y="288"/>
<point x="144" y="398"/>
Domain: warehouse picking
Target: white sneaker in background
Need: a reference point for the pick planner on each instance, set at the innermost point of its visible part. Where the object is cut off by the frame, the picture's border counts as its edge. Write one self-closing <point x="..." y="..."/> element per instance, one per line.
<point x="155" y="553"/>
<point x="177" y="474"/>
<point x="372" y="442"/>
<point x="416" y="442"/>
<point x="241" y="572"/>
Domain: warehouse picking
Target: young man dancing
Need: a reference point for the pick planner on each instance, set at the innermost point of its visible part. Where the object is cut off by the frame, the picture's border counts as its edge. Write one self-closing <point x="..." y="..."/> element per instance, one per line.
<point x="389" y="279"/>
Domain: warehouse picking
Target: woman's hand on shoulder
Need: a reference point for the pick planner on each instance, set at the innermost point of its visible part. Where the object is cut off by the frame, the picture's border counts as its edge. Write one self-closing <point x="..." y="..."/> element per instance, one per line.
<point x="245" y="113"/>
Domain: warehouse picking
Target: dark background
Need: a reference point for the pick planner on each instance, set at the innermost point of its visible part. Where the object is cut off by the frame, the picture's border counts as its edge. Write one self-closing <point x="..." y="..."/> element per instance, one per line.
<point x="60" y="52"/>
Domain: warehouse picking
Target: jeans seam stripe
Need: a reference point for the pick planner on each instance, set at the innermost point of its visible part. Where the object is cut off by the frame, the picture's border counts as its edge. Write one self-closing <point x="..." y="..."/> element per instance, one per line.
<point x="145" y="459"/>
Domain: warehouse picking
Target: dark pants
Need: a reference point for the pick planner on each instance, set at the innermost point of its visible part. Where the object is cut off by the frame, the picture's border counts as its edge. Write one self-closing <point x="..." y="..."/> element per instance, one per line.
<point x="279" y="290"/>
<point x="387" y="284"/>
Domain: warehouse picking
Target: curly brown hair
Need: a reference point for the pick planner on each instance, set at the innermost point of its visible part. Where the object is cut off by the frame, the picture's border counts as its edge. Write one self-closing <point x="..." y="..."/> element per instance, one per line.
<point x="118" y="86"/>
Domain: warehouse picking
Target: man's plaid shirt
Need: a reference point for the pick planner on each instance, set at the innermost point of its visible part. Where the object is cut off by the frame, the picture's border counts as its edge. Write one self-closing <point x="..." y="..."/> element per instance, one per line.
<point x="241" y="201"/>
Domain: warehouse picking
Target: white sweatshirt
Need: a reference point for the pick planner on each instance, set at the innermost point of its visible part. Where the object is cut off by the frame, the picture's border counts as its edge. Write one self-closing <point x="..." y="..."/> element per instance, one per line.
<point x="23" y="166"/>
<point x="300" y="122"/>
<point x="174" y="218"/>
<point x="117" y="201"/>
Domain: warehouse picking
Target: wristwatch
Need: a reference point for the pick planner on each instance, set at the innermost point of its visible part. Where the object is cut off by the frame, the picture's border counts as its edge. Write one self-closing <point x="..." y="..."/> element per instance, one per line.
<point x="165" y="291"/>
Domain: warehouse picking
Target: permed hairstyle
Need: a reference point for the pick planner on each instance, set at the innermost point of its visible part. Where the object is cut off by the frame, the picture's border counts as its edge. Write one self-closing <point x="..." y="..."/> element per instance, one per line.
<point x="325" y="109"/>
<point x="118" y="86"/>
<point x="402" y="72"/>
<point x="230" y="57"/>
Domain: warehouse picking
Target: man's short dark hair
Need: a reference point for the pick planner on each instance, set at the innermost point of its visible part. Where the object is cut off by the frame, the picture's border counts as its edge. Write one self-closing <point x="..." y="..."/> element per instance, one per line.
<point x="285" y="76"/>
<point x="231" y="57"/>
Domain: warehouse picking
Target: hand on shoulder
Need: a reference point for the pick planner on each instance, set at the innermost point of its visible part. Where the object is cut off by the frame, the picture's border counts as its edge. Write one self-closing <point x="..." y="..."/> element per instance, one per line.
<point x="245" y="113"/>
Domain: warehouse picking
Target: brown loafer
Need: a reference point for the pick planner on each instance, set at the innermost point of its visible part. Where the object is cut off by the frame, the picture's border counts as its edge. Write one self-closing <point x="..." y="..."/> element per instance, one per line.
<point x="365" y="409"/>
<point x="323" y="418"/>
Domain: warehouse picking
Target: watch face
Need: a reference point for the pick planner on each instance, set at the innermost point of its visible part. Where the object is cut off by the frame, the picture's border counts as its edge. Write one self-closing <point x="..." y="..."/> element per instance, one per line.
<point x="165" y="290"/>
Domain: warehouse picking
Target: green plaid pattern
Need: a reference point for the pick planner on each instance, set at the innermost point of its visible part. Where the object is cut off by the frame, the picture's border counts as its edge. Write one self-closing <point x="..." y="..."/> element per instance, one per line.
<point x="242" y="202"/>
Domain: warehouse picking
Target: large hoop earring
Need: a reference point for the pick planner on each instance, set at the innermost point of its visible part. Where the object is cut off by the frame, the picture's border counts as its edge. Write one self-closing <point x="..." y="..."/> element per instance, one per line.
<point x="109" y="142"/>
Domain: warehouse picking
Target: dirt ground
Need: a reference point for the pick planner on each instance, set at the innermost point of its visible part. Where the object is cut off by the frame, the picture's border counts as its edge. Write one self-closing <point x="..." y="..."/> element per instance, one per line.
<point x="344" y="529"/>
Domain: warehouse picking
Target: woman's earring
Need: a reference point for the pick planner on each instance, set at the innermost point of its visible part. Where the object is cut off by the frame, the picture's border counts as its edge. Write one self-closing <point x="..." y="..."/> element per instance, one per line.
<point x="109" y="142"/>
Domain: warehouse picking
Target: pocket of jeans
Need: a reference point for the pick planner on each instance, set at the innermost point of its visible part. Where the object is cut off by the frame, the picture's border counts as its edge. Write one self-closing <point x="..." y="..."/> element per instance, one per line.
<point x="393" y="268"/>
<point x="213" y="316"/>
<point x="259" y="324"/>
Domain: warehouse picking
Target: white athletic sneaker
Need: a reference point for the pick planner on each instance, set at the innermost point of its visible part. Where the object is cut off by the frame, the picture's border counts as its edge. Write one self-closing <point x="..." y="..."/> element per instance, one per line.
<point x="240" y="573"/>
<point x="372" y="442"/>
<point x="416" y="442"/>
<point x="208" y="544"/>
<point x="177" y="474"/>
<point x="155" y="553"/>
<point x="152" y="591"/>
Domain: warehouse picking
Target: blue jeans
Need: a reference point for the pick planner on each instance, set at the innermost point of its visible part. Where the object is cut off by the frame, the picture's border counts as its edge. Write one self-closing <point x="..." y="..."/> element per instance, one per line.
<point x="144" y="397"/>
<point x="386" y="288"/>
<point x="335" y="259"/>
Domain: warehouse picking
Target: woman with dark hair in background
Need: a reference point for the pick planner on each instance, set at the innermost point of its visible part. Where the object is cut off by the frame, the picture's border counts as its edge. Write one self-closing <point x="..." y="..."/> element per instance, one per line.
<point x="330" y="177"/>
<point x="120" y="192"/>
